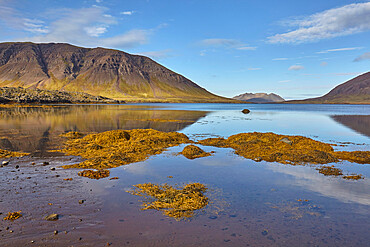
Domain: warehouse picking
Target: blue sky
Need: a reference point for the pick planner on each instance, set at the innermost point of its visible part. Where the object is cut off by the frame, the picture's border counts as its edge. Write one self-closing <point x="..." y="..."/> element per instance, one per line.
<point x="297" y="49"/>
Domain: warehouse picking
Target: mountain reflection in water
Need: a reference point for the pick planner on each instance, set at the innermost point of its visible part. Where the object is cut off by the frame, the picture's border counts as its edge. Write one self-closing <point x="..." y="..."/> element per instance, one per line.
<point x="359" y="123"/>
<point x="36" y="129"/>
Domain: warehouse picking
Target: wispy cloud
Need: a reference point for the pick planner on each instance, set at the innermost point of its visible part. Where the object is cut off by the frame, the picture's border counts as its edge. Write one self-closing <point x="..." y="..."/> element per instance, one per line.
<point x="280" y="59"/>
<point x="227" y="43"/>
<point x="365" y="56"/>
<point x="283" y="81"/>
<point x="296" y="67"/>
<point x="254" y="68"/>
<point x="346" y="20"/>
<point x="127" y="12"/>
<point x="340" y="49"/>
<point x="87" y="27"/>
<point x="16" y="20"/>
<point x="157" y="54"/>
<point x="247" y="48"/>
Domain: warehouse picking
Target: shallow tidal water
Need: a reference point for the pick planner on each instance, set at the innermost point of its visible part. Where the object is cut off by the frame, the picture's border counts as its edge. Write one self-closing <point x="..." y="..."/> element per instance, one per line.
<point x="252" y="203"/>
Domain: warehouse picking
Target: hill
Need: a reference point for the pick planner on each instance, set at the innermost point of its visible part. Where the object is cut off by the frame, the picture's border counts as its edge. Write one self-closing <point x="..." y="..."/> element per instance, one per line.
<point x="97" y="71"/>
<point x="354" y="91"/>
<point x="259" y="97"/>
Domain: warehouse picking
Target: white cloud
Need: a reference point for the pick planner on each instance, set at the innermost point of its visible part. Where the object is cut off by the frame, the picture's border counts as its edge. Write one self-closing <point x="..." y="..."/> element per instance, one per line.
<point x="95" y="31"/>
<point x="86" y="27"/>
<point x="285" y="81"/>
<point x="34" y="26"/>
<point x="340" y="49"/>
<point x="228" y="43"/>
<point x="296" y="67"/>
<point x="220" y="42"/>
<point x="280" y="59"/>
<point x="365" y="56"/>
<point x="247" y="48"/>
<point x="349" y="19"/>
<point x="157" y="54"/>
<point x="127" y="12"/>
<point x="254" y="68"/>
<point x="129" y="39"/>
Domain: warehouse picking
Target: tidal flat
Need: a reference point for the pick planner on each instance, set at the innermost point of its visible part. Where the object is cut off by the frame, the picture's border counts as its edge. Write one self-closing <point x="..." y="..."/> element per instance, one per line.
<point x="183" y="189"/>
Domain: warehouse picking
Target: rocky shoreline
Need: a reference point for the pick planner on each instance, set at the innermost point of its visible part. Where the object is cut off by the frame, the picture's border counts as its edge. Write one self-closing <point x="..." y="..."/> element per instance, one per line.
<point x="10" y="95"/>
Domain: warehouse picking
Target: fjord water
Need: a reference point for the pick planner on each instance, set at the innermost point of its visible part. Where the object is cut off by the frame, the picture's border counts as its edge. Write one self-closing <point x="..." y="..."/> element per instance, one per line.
<point x="252" y="203"/>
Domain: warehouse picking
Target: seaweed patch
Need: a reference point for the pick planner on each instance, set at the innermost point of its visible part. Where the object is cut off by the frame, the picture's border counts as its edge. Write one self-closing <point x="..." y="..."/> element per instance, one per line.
<point x="176" y="202"/>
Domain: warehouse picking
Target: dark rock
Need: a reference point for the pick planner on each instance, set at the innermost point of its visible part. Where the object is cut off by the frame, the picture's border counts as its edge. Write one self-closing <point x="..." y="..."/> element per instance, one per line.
<point x="5" y="163"/>
<point x="81" y="201"/>
<point x="246" y="111"/>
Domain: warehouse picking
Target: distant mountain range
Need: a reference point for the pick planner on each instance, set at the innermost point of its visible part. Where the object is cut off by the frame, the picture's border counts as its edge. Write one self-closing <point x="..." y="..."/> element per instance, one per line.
<point x="97" y="71"/>
<point x="259" y="97"/>
<point x="354" y="91"/>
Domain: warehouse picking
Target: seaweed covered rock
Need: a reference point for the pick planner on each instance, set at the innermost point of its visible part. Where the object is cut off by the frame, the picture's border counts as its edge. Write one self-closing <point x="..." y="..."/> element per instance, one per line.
<point x="176" y="202"/>
<point x="120" y="147"/>
<point x="285" y="149"/>
<point x="9" y="154"/>
<point x="193" y="152"/>
<point x="94" y="174"/>
<point x="13" y="215"/>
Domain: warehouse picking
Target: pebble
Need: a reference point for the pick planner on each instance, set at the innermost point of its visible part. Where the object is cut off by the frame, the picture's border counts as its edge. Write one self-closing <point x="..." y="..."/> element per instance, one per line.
<point x="17" y="166"/>
<point x="52" y="217"/>
<point x="53" y="168"/>
<point x="81" y="201"/>
<point x="5" y="163"/>
<point x="286" y="140"/>
<point x="55" y="232"/>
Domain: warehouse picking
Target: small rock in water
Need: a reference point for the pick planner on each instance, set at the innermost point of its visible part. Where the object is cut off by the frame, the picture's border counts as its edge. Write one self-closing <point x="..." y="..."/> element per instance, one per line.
<point x="53" y="168"/>
<point x="258" y="159"/>
<point x="56" y="232"/>
<point x="246" y="111"/>
<point x="52" y="217"/>
<point x="17" y="166"/>
<point x="286" y="140"/>
<point x="5" y="163"/>
<point x="81" y="201"/>
<point x="45" y="163"/>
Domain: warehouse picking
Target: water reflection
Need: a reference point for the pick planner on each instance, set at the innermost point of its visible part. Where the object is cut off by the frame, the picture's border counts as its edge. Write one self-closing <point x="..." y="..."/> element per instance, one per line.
<point x="37" y="130"/>
<point x="359" y="123"/>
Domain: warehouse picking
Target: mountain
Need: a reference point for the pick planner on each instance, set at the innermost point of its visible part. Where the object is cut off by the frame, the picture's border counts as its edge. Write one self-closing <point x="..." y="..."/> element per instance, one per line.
<point x="259" y="97"/>
<point x="354" y="91"/>
<point x="97" y="71"/>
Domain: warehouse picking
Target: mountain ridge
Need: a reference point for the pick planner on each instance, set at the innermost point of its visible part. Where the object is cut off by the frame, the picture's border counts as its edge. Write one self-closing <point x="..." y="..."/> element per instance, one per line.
<point x="353" y="91"/>
<point x="259" y="97"/>
<point x="97" y="71"/>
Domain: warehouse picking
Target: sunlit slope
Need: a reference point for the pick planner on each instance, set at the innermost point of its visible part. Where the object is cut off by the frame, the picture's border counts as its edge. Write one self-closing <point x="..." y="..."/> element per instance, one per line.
<point x="98" y="71"/>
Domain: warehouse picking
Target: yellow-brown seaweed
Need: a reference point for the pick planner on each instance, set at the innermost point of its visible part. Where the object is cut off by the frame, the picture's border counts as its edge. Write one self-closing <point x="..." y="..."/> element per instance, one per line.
<point x="94" y="174"/>
<point x="285" y="149"/>
<point x="330" y="171"/>
<point x="193" y="152"/>
<point x="178" y="203"/>
<point x="9" y="154"/>
<point x="13" y="215"/>
<point x="120" y="147"/>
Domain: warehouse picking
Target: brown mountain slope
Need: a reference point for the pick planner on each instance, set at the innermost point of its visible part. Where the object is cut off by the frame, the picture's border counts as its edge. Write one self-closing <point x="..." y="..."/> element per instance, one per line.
<point x="259" y="97"/>
<point x="97" y="71"/>
<point x="354" y="91"/>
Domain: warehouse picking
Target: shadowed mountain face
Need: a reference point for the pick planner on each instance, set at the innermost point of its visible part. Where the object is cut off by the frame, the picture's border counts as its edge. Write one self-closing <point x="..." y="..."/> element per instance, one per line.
<point x="37" y="129"/>
<point x="354" y="91"/>
<point x="259" y="97"/>
<point x="98" y="71"/>
<point x="359" y="123"/>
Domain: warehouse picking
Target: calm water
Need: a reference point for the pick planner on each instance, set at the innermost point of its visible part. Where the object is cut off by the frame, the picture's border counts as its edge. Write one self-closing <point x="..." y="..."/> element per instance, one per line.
<point x="253" y="204"/>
